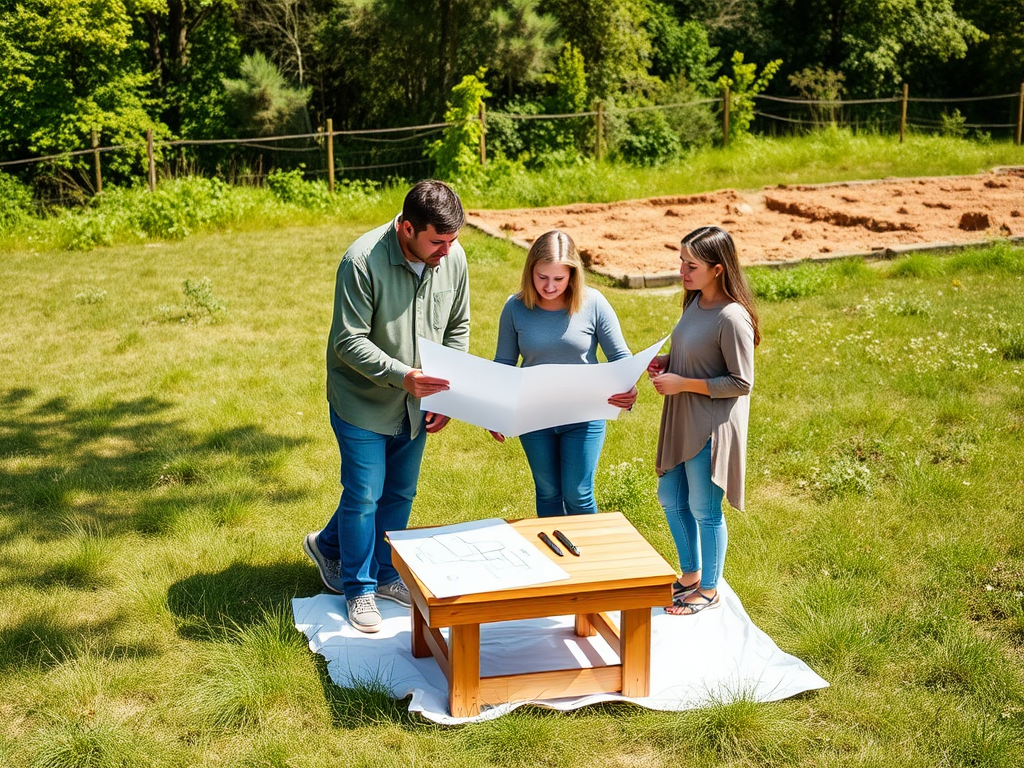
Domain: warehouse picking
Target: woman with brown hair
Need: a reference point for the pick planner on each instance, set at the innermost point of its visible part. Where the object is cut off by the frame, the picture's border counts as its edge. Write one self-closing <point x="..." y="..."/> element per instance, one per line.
<point x="706" y="380"/>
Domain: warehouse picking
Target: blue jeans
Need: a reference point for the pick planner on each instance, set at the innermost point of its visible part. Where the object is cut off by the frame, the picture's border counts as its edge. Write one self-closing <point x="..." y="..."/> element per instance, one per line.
<point x="564" y="461"/>
<point x="379" y="474"/>
<point x="693" y="506"/>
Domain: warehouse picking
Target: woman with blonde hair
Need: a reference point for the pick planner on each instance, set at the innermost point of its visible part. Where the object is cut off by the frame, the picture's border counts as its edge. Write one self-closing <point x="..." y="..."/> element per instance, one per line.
<point x="706" y="380"/>
<point x="555" y="318"/>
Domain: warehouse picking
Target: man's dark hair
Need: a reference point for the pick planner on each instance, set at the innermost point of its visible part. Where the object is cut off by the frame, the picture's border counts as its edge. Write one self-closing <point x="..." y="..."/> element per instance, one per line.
<point x="433" y="202"/>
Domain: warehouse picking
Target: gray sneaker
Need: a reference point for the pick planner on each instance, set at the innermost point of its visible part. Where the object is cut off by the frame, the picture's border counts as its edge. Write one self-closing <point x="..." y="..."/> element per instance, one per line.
<point x="330" y="570"/>
<point x="363" y="613"/>
<point x="396" y="591"/>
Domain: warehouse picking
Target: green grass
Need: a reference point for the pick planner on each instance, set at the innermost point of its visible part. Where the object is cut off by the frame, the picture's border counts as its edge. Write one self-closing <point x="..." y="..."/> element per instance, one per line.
<point x="157" y="477"/>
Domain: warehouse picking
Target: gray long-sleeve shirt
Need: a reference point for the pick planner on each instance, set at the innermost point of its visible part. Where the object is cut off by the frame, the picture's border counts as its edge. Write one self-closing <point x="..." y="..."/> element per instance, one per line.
<point x="716" y="345"/>
<point x="381" y="308"/>
<point x="541" y="336"/>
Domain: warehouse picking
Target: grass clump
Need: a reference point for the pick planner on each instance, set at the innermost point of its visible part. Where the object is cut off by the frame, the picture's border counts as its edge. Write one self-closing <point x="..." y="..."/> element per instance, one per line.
<point x="260" y="673"/>
<point x="86" y="742"/>
<point x="804" y="280"/>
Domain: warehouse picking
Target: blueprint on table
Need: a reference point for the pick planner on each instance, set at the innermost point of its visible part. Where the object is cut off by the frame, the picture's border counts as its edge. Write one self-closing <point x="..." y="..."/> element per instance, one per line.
<point x="473" y="557"/>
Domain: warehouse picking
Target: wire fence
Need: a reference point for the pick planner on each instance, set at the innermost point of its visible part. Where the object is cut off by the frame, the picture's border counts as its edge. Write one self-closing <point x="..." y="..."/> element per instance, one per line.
<point x="401" y="152"/>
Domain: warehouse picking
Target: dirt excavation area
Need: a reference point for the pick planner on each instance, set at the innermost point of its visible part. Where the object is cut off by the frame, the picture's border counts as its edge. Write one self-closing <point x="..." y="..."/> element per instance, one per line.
<point x="637" y="241"/>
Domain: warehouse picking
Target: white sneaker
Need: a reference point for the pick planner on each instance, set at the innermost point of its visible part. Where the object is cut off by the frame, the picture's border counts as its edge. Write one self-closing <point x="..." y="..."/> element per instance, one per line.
<point x="363" y="613"/>
<point x="396" y="591"/>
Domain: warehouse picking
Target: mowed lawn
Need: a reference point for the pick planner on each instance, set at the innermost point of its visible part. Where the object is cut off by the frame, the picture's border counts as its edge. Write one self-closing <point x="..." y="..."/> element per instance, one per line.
<point x="164" y="448"/>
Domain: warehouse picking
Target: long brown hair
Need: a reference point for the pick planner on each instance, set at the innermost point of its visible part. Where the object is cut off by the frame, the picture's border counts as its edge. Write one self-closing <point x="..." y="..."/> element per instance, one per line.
<point x="554" y="247"/>
<point x="713" y="245"/>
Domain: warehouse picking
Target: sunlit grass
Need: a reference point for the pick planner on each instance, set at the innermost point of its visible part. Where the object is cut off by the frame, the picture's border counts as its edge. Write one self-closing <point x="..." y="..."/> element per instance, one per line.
<point x="156" y="480"/>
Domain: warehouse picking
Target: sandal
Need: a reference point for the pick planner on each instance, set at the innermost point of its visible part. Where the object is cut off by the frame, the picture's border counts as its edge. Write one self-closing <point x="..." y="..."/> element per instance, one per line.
<point x="682" y="608"/>
<point x="679" y="591"/>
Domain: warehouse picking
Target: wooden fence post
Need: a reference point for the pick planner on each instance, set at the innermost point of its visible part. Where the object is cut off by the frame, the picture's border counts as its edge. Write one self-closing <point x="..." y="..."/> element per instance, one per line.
<point x="96" y="160"/>
<point x="725" y="117"/>
<point x="903" y="112"/>
<point x="599" y="131"/>
<point x="152" y="162"/>
<point x="1020" y="114"/>
<point x="330" y="155"/>
<point x="483" y="135"/>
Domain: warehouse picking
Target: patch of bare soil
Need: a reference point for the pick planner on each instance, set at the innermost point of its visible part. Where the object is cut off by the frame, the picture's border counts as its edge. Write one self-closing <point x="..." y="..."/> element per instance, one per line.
<point x="637" y="238"/>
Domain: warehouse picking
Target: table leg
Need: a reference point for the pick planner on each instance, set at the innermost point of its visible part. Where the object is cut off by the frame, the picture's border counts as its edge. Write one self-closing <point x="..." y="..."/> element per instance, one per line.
<point x="635" y="651"/>
<point x="464" y="666"/>
<point x="420" y="649"/>
<point x="584" y="626"/>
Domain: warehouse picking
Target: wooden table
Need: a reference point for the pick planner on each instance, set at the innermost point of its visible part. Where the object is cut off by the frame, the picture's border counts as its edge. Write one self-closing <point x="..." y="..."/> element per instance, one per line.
<point x="616" y="570"/>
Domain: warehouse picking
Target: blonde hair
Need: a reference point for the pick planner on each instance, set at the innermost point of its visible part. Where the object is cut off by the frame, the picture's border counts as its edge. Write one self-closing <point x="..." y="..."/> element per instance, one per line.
<point x="554" y="247"/>
<point x="713" y="245"/>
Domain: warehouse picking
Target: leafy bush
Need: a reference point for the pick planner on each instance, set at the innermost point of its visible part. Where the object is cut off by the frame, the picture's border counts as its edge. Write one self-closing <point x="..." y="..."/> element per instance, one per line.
<point x="84" y="230"/>
<point x="953" y="125"/>
<point x="15" y="202"/>
<point x="743" y="86"/>
<point x="290" y="187"/>
<point x="647" y="139"/>
<point x="457" y="151"/>
<point x="178" y="207"/>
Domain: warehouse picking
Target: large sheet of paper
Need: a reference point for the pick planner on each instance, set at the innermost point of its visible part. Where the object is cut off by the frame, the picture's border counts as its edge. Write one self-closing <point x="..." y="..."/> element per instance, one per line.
<point x="513" y="400"/>
<point x="473" y="557"/>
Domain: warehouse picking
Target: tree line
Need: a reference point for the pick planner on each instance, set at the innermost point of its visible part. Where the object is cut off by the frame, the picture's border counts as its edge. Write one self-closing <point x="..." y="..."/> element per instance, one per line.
<point x="196" y="69"/>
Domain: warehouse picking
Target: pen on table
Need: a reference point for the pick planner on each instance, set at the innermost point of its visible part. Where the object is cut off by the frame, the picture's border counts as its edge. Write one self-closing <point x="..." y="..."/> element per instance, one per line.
<point x="568" y="544"/>
<point x="547" y="540"/>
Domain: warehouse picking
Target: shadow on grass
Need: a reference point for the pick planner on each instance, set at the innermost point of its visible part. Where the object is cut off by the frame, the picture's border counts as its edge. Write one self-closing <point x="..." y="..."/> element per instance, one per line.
<point x="120" y="466"/>
<point x="365" y="703"/>
<point x="44" y="639"/>
<point x="209" y="606"/>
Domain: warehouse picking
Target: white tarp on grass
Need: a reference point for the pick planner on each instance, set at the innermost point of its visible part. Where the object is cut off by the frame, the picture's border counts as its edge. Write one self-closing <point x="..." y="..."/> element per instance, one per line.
<point x="714" y="657"/>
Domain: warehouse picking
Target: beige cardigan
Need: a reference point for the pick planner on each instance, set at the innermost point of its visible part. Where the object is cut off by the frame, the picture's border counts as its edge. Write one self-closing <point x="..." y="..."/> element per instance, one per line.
<point x="716" y="345"/>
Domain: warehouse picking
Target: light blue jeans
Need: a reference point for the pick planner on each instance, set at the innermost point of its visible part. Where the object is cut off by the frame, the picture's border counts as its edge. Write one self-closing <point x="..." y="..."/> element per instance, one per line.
<point x="379" y="474"/>
<point x="693" y="507"/>
<point x="563" y="461"/>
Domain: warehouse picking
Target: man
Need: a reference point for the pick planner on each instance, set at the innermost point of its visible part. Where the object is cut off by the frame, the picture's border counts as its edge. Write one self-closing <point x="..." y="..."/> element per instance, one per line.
<point x="404" y="280"/>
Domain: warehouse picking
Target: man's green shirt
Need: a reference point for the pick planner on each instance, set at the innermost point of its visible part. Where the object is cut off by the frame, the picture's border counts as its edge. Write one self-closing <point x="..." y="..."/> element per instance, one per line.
<point x="381" y="308"/>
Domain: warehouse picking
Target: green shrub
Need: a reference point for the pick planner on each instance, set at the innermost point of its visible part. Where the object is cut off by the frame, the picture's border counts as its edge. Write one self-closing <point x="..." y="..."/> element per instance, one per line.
<point x="290" y="187"/>
<point x="457" y="151"/>
<point x="180" y="206"/>
<point x="15" y="202"/>
<point x="647" y="139"/>
<point x="199" y="306"/>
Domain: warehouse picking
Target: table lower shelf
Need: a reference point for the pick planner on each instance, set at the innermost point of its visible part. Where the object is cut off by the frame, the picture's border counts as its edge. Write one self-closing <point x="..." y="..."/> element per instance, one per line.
<point x="459" y="659"/>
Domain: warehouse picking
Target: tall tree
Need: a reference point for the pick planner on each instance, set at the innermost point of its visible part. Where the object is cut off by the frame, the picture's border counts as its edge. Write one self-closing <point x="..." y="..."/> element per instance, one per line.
<point x="995" y="64"/>
<point x="190" y="45"/>
<point x="876" y="45"/>
<point x="66" y="67"/>
<point x="526" y="44"/>
<point x="281" y="27"/>
<point x="392" y="62"/>
<point x="614" y="41"/>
